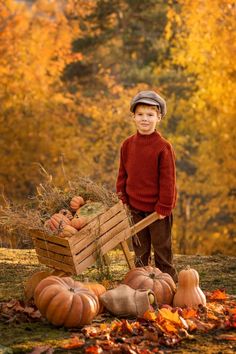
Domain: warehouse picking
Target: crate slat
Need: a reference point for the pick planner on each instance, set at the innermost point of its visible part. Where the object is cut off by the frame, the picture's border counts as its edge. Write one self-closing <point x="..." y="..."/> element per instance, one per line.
<point x="41" y="235"/>
<point x="57" y="257"/>
<point x="113" y="242"/>
<point x="96" y="224"/>
<point x="81" y="254"/>
<point x="57" y="265"/>
<point x="96" y="233"/>
<point x="39" y="244"/>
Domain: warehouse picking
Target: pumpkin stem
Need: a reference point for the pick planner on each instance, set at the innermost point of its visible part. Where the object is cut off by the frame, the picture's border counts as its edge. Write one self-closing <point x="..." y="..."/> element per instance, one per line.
<point x="72" y="290"/>
<point x="152" y="275"/>
<point x="188" y="267"/>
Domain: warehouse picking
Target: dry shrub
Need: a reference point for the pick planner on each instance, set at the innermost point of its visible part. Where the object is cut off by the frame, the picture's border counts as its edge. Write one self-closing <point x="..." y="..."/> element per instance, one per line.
<point x="16" y="221"/>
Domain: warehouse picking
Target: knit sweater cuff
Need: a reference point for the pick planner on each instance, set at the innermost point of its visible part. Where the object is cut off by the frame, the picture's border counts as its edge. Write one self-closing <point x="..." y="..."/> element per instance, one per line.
<point x="123" y="197"/>
<point x="163" y="210"/>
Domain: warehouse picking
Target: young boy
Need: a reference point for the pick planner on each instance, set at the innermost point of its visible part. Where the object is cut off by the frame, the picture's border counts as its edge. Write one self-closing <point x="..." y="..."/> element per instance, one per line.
<point x="146" y="181"/>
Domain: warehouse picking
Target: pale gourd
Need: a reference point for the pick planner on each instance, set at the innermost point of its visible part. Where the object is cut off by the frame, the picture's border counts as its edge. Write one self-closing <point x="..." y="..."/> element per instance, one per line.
<point x="188" y="292"/>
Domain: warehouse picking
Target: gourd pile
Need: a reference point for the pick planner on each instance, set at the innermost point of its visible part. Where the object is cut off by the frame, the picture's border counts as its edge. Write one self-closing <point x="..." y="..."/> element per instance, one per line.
<point x="67" y="222"/>
<point x="70" y="303"/>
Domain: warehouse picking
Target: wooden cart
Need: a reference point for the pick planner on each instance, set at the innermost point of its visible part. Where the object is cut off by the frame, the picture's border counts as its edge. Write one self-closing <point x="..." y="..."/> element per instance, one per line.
<point x="99" y="236"/>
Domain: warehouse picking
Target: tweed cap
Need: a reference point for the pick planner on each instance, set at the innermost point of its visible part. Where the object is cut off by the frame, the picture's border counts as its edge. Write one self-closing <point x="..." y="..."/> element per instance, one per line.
<point x="150" y="98"/>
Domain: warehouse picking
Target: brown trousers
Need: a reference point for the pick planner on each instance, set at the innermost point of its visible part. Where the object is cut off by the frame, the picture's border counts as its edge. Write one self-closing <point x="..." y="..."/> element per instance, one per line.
<point x="157" y="235"/>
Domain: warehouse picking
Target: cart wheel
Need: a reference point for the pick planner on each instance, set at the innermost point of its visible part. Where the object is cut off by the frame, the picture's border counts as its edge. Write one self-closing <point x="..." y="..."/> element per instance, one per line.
<point x="32" y="282"/>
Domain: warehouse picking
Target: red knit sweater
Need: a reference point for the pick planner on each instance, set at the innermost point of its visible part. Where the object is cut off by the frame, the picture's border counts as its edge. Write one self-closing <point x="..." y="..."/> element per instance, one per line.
<point x="146" y="178"/>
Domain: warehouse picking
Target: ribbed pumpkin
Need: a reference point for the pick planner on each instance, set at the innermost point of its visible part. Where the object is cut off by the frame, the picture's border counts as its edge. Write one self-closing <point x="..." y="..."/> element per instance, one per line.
<point x="66" y="213"/>
<point x="68" y="231"/>
<point x="58" y="221"/>
<point x="188" y="291"/>
<point x="78" y="223"/>
<point x="152" y="278"/>
<point x="65" y="303"/>
<point x="97" y="289"/>
<point x="76" y="202"/>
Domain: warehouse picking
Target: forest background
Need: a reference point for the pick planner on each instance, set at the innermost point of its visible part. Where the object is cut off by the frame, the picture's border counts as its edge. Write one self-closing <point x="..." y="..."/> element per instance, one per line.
<point x="68" y="69"/>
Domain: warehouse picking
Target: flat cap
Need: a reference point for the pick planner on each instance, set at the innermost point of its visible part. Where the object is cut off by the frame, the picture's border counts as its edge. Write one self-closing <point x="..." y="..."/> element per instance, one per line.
<point x="150" y="98"/>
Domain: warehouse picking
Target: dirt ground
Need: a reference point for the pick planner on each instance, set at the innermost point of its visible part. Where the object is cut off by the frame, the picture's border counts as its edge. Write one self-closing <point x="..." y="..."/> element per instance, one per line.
<point x="16" y="266"/>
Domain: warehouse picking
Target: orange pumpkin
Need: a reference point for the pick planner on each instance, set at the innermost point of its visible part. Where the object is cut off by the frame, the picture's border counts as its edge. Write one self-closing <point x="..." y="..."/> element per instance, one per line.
<point x="97" y="289"/>
<point x="188" y="291"/>
<point x="66" y="213"/>
<point x="58" y="221"/>
<point x="78" y="223"/>
<point x="152" y="278"/>
<point x="76" y="202"/>
<point x="64" y="302"/>
<point x="67" y="231"/>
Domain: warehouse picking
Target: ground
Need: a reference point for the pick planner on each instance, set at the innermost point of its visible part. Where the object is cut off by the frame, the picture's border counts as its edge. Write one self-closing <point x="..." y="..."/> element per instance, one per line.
<point x="16" y="266"/>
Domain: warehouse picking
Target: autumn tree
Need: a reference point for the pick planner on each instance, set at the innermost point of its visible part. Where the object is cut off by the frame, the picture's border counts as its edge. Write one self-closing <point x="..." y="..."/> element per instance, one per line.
<point x="38" y="124"/>
<point x="205" y="48"/>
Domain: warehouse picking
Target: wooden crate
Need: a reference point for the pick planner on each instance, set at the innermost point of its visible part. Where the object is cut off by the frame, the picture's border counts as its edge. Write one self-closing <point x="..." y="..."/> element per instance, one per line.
<point x="99" y="236"/>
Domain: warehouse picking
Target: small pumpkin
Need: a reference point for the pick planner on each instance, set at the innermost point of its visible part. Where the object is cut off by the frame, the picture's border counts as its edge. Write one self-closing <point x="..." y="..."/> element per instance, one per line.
<point x="78" y="223"/>
<point x="66" y="213"/>
<point x="33" y="281"/>
<point x="97" y="289"/>
<point x="188" y="292"/>
<point x="152" y="278"/>
<point x="76" y="202"/>
<point x="58" y="221"/>
<point x="68" y="231"/>
<point x="65" y="303"/>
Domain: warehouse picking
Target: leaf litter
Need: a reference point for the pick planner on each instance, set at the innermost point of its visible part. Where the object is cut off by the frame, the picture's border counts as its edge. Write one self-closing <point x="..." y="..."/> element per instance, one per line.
<point x="163" y="328"/>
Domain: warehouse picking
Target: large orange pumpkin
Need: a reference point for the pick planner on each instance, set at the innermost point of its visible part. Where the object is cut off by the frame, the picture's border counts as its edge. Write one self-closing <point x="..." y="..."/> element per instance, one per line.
<point x="64" y="302"/>
<point x="152" y="278"/>
<point x="188" y="291"/>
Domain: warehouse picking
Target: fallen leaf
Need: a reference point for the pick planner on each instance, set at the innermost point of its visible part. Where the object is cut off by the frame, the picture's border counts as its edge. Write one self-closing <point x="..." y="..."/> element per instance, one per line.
<point x="218" y="295"/>
<point x="74" y="342"/>
<point x="94" y="349"/>
<point x="226" y="337"/>
<point x="149" y="315"/>
<point x="171" y="316"/>
<point x="189" y="313"/>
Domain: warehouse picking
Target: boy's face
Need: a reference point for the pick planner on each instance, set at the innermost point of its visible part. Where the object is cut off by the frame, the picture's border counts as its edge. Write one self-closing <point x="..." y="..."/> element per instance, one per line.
<point x="146" y="118"/>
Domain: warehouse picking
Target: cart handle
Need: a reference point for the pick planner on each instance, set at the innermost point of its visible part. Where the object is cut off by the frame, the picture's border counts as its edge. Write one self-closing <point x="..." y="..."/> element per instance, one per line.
<point x="144" y="223"/>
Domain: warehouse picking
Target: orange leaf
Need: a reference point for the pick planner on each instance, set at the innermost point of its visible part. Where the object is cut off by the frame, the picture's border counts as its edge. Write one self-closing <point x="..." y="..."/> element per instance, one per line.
<point x="169" y="327"/>
<point x="169" y="315"/>
<point x="189" y="313"/>
<point x="149" y="315"/>
<point x="94" y="349"/>
<point x="218" y="295"/>
<point x="74" y="342"/>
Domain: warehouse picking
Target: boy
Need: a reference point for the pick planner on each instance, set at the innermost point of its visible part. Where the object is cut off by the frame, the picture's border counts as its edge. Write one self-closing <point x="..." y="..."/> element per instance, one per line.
<point x="146" y="181"/>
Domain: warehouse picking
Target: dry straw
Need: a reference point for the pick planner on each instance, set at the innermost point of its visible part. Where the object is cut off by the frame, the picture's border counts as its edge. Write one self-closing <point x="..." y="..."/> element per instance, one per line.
<point x="49" y="199"/>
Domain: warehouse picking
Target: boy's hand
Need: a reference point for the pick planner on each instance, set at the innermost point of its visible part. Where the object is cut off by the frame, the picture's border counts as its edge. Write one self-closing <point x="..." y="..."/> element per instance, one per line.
<point x="162" y="216"/>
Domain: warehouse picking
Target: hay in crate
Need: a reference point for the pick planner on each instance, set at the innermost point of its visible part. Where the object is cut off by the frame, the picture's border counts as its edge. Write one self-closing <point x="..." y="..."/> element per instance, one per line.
<point x="17" y="220"/>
